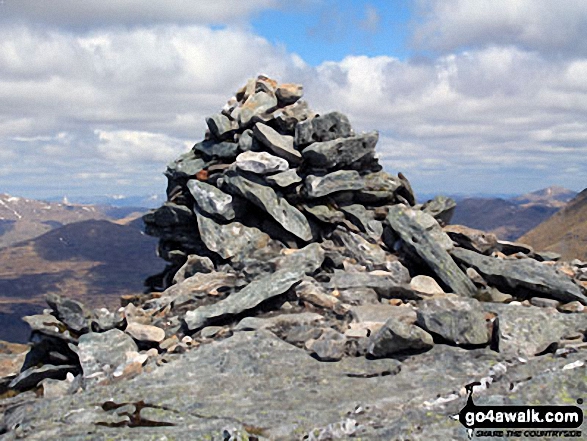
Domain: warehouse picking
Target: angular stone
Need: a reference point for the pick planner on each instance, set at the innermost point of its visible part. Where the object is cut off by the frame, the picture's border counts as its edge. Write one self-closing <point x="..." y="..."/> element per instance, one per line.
<point x="440" y="208"/>
<point x="288" y="93"/>
<point x="323" y="128"/>
<point x="460" y="321"/>
<point x="193" y="265"/>
<point x="472" y="239"/>
<point x="416" y="229"/>
<point x="261" y="163"/>
<point x="358" y="296"/>
<point x="217" y="150"/>
<point x="364" y="219"/>
<point x="256" y="105"/>
<point x="290" y="116"/>
<point x="49" y="325"/>
<point x="341" y="152"/>
<point x="281" y="145"/>
<point x="187" y="165"/>
<point x="169" y="215"/>
<point x="246" y="141"/>
<point x="426" y="286"/>
<point x="329" y="346"/>
<point x="231" y="239"/>
<point x="342" y="180"/>
<point x="381" y="181"/>
<point x="306" y="260"/>
<point x="312" y="292"/>
<point x="145" y="333"/>
<point x="103" y="320"/>
<point x="102" y="352"/>
<point x="265" y="198"/>
<point x="221" y="127"/>
<point x="370" y="255"/>
<point x="525" y="331"/>
<point x="280" y="322"/>
<point x="71" y="312"/>
<point x="380" y="313"/>
<point x="33" y="376"/>
<point x="284" y="179"/>
<point x="324" y="213"/>
<point x="383" y="282"/>
<point x="405" y="193"/>
<point x="211" y="200"/>
<point x="572" y="307"/>
<point x="396" y="336"/>
<point x="526" y="273"/>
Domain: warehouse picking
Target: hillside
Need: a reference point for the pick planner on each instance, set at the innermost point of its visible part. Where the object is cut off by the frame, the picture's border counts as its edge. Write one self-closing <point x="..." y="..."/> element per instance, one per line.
<point x="511" y="218"/>
<point x="565" y="232"/>
<point x="95" y="261"/>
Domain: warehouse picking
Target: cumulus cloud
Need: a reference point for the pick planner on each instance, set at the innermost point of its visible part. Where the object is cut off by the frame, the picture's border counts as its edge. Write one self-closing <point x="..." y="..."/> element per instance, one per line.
<point x="536" y="25"/>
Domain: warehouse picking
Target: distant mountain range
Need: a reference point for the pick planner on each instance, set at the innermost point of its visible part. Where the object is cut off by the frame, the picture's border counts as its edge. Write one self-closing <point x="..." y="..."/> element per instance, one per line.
<point x="565" y="232"/>
<point x="90" y="259"/>
<point x="513" y="217"/>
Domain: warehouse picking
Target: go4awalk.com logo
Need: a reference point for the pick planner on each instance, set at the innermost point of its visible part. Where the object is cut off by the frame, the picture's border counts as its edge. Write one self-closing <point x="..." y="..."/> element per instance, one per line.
<point x="521" y="421"/>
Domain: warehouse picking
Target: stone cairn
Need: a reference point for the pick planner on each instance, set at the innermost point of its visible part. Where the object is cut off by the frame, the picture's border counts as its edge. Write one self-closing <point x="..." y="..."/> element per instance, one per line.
<point x="282" y="220"/>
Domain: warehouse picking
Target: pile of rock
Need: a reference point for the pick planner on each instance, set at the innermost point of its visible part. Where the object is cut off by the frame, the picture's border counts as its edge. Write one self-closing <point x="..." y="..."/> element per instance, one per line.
<point x="282" y="221"/>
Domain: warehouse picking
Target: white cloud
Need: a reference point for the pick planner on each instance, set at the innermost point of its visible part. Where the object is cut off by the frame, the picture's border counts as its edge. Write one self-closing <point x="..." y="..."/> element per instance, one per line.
<point x="554" y="27"/>
<point x="81" y="13"/>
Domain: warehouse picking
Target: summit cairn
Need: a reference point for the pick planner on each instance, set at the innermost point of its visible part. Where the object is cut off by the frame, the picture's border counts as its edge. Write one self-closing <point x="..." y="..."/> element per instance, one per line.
<point x="307" y="296"/>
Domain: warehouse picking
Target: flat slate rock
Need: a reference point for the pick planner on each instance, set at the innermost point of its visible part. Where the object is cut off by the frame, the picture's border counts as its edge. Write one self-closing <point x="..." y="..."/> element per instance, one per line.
<point x="420" y="234"/>
<point x="33" y="376"/>
<point x="284" y="179"/>
<point x="326" y="127"/>
<point x="460" y="321"/>
<point x="231" y="239"/>
<point x="396" y="336"/>
<point x="281" y="145"/>
<point x="510" y="274"/>
<point x="341" y="180"/>
<point x="341" y="152"/>
<point x="295" y="266"/>
<point x="277" y="207"/>
<point x="525" y="331"/>
<point x="211" y="200"/>
<point x="261" y="163"/>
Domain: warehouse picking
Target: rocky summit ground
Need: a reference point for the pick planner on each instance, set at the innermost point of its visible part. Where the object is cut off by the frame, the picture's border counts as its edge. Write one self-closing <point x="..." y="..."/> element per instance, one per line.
<point x="306" y="296"/>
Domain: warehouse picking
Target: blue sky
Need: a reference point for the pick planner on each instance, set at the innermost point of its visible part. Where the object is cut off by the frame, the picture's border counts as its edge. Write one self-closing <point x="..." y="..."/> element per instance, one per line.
<point x="469" y="96"/>
<point x="333" y="30"/>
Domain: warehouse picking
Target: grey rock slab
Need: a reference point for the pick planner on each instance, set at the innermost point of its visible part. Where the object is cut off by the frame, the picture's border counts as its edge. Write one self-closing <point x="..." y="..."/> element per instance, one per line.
<point x="145" y="333"/>
<point x="358" y="296"/>
<point x="396" y="337"/>
<point x="270" y="384"/>
<point x="306" y="260"/>
<point x="278" y="208"/>
<point x="279" y="322"/>
<point x="188" y="164"/>
<point x="383" y="282"/>
<point x="508" y="248"/>
<point x="341" y="152"/>
<point x="380" y="313"/>
<point x="421" y="234"/>
<point x="472" y="239"/>
<point x="290" y="116"/>
<point x="100" y="352"/>
<point x="218" y="150"/>
<point x="261" y="163"/>
<point x="525" y="273"/>
<point x="330" y="346"/>
<point x="457" y="320"/>
<point x="324" y="213"/>
<point x="366" y="253"/>
<point x="441" y="208"/>
<point x="526" y="331"/>
<point x="341" y="180"/>
<point x="194" y="264"/>
<point x="220" y="126"/>
<point x="364" y="219"/>
<point x="381" y="181"/>
<point x="71" y="312"/>
<point x="33" y="376"/>
<point x="231" y="239"/>
<point x="284" y="179"/>
<point x="212" y="200"/>
<point x="426" y="286"/>
<point x="169" y="215"/>
<point x="256" y="105"/>
<point x="312" y="292"/>
<point x="326" y="127"/>
<point x="49" y="325"/>
<point x="281" y="145"/>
